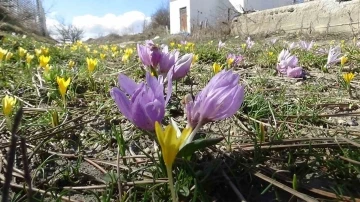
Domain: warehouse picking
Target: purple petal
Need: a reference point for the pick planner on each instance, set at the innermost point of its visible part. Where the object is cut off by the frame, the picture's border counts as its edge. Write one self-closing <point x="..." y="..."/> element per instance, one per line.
<point x="122" y="102"/>
<point x="127" y="84"/>
<point x="182" y="66"/>
<point x="296" y="72"/>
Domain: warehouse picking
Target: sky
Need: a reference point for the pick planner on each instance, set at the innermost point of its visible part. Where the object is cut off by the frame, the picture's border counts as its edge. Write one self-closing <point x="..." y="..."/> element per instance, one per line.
<point x="100" y="17"/>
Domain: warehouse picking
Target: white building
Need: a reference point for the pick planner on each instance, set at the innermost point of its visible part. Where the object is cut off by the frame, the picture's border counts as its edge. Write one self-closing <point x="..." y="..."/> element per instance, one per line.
<point x="186" y="13"/>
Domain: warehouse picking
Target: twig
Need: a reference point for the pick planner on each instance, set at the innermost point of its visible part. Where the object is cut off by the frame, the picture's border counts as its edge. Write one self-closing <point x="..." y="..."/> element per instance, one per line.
<point x="316" y="145"/>
<point x="350" y="142"/>
<point x="124" y="183"/>
<point x="95" y="165"/>
<point x="41" y="191"/>
<point x="11" y="155"/>
<point x="233" y="187"/>
<point x="26" y="168"/>
<point x="285" y="188"/>
<point x="349" y="160"/>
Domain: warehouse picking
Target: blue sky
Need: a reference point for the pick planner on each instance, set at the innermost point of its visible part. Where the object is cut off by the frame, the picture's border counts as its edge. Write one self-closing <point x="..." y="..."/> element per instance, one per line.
<point x="101" y="17"/>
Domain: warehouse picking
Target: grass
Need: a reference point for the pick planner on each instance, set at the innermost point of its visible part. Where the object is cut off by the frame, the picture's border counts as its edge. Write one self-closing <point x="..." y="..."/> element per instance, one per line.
<point x="291" y="139"/>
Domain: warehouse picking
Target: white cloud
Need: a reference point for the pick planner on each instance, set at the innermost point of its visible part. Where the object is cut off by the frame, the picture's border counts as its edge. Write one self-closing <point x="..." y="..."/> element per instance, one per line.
<point x="94" y="26"/>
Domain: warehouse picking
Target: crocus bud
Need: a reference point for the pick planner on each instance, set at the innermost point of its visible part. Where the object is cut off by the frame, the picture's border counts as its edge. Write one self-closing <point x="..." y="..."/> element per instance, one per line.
<point x="182" y="66"/>
<point x="168" y="60"/>
<point x="220" y="99"/>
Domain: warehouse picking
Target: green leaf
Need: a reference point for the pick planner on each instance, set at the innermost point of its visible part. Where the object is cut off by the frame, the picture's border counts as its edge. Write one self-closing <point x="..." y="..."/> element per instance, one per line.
<point x="190" y="148"/>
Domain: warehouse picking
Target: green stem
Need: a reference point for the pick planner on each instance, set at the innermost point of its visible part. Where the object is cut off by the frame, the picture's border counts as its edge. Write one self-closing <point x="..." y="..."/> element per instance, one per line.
<point x="8" y="122"/>
<point x="171" y="182"/>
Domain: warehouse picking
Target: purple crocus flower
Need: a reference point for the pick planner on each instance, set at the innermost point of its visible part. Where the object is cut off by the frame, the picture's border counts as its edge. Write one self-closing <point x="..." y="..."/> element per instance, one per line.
<point x="233" y="59"/>
<point x="249" y="43"/>
<point x="143" y="104"/>
<point x="288" y="65"/>
<point x="220" y="99"/>
<point x="306" y="46"/>
<point x="182" y="66"/>
<point x="333" y="56"/>
<point x="149" y="54"/>
<point x="295" y="72"/>
<point x="168" y="60"/>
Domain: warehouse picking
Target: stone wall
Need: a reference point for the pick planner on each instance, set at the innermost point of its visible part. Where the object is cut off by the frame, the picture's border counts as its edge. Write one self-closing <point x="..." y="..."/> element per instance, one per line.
<point x="320" y="16"/>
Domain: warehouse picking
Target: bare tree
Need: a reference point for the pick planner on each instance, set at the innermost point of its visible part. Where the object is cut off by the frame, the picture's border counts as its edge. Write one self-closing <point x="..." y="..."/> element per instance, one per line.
<point x="69" y="33"/>
<point x="161" y="17"/>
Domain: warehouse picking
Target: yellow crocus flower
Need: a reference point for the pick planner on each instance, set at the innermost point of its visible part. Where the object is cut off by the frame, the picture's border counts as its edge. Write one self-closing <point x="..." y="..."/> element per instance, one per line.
<point x="171" y="140"/>
<point x="243" y="46"/>
<point x="44" y="60"/>
<point x="229" y="61"/>
<point x="343" y="60"/>
<point x="8" y="104"/>
<point x="8" y="56"/>
<point x="44" y="51"/>
<point x="348" y="77"/>
<point x="78" y="43"/>
<point x="216" y="67"/>
<point x="22" y="52"/>
<point x="102" y="56"/>
<point x="71" y="64"/>
<point x="172" y="44"/>
<point x="3" y="53"/>
<point x="195" y="59"/>
<point x="73" y="48"/>
<point x="125" y="58"/>
<point x="91" y="64"/>
<point x="115" y="54"/>
<point x="29" y="57"/>
<point x="38" y="52"/>
<point x="113" y="48"/>
<point x="270" y="53"/>
<point x="62" y="86"/>
<point x="179" y="45"/>
<point x="129" y="51"/>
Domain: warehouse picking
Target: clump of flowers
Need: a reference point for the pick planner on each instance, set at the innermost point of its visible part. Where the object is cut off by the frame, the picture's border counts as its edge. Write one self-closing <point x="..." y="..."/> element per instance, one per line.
<point x="288" y="65"/>
<point x="160" y="62"/>
<point x="305" y="45"/>
<point x="144" y="104"/>
<point x="233" y="60"/>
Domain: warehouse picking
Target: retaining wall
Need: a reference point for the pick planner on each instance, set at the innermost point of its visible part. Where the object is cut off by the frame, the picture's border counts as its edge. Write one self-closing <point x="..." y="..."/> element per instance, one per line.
<point x="321" y="16"/>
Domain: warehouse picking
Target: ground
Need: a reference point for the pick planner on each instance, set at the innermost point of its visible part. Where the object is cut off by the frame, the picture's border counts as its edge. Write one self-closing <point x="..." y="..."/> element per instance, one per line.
<point x="292" y="138"/>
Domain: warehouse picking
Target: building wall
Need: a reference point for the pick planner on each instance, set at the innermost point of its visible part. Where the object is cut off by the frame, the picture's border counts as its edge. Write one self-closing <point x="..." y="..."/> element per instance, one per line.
<point x="175" y="6"/>
<point x="213" y="11"/>
<point x="249" y="5"/>
<point x="202" y="11"/>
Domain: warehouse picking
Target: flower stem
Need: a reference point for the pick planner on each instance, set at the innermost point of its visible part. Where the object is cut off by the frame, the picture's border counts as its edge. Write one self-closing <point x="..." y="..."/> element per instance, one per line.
<point x="193" y="133"/>
<point x="171" y="182"/>
<point x="8" y="122"/>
